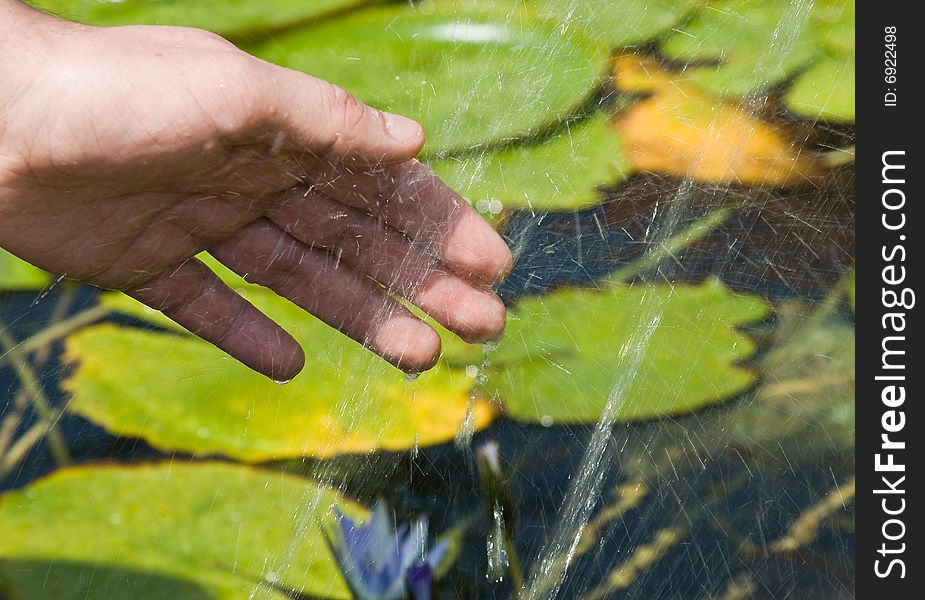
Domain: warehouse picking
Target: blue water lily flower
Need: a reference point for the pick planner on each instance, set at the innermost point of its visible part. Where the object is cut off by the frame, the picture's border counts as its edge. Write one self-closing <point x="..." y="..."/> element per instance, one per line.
<point x="382" y="562"/>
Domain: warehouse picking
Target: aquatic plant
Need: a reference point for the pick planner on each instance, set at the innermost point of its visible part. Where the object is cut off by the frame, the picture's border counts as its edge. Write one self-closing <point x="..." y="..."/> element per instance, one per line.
<point x="382" y="562"/>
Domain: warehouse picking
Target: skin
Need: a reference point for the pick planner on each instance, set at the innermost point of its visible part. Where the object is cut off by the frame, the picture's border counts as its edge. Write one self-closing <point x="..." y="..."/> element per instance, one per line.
<point x="126" y="151"/>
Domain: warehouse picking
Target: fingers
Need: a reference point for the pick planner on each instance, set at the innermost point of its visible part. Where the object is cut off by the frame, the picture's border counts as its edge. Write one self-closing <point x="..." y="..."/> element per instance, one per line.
<point x="411" y="198"/>
<point x="333" y="292"/>
<point x="404" y="266"/>
<point x="197" y="299"/>
<point x="324" y="121"/>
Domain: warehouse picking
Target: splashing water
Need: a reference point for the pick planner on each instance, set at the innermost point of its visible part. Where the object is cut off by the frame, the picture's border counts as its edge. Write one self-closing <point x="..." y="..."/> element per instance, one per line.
<point x="496" y="547"/>
<point x="466" y="431"/>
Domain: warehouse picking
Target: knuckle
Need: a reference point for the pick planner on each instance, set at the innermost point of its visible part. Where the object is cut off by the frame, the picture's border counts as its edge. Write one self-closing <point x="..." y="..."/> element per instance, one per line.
<point x="206" y="39"/>
<point x="350" y="113"/>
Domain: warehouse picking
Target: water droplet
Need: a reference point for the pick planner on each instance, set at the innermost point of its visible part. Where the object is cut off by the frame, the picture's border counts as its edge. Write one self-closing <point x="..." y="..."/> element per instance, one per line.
<point x="472" y="371"/>
<point x="546" y="421"/>
<point x="410" y="377"/>
<point x="281" y="381"/>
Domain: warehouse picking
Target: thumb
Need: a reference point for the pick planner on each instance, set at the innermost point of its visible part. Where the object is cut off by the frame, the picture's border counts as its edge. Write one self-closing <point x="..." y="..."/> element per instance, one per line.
<point x="327" y="121"/>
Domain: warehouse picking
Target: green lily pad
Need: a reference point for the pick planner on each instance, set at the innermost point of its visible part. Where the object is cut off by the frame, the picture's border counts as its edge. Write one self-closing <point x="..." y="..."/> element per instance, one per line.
<point x="208" y="531"/>
<point x="180" y="393"/>
<point x="226" y="17"/>
<point x="825" y="91"/>
<point x="561" y="354"/>
<point x="833" y="26"/>
<point x="619" y="23"/>
<point x="560" y="173"/>
<point x="17" y="274"/>
<point x="469" y="74"/>
<point x="755" y="44"/>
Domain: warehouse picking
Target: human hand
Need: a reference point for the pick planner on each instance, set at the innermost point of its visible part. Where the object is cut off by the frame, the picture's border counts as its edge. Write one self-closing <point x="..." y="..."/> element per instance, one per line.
<point x="126" y="151"/>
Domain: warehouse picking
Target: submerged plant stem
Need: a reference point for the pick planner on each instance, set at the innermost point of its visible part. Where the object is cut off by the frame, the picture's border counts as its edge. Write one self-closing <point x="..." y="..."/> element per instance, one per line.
<point x="651" y="259"/>
<point x="833" y="299"/>
<point x="30" y="385"/>
<point x="513" y="563"/>
<point x="53" y="333"/>
<point x="18" y="450"/>
<point x="12" y="420"/>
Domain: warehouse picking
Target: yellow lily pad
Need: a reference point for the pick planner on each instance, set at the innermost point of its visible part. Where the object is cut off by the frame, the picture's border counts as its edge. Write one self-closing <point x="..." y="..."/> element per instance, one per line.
<point x="679" y="130"/>
<point x="180" y="393"/>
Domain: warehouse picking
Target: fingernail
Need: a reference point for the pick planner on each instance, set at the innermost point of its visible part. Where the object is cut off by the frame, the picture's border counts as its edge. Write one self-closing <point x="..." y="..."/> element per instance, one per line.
<point x="402" y="129"/>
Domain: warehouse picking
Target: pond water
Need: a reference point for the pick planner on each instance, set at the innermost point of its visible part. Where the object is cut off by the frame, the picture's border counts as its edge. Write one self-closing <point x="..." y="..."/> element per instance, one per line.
<point x="670" y="413"/>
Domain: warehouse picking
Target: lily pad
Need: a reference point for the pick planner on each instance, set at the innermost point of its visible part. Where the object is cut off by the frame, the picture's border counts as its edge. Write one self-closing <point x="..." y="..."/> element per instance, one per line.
<point x="469" y="74"/>
<point x="560" y="173"/>
<point x="825" y="91"/>
<point x="681" y="131"/>
<point x="17" y="274"/>
<point x="753" y="45"/>
<point x="621" y="23"/>
<point x="833" y="26"/>
<point x="226" y="17"/>
<point x="180" y="393"/>
<point x="207" y="531"/>
<point x="562" y="353"/>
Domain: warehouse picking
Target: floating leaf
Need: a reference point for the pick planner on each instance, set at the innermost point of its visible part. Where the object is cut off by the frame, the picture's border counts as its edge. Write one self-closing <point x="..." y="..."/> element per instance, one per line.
<point x="207" y="531"/>
<point x="825" y="91"/>
<point x="16" y="274"/>
<point x="681" y="131"/>
<point x="561" y="354"/>
<point x="754" y="45"/>
<point x="618" y="23"/>
<point x="180" y="393"/>
<point x="469" y="74"/>
<point x="560" y="173"/>
<point x="833" y="26"/>
<point x="641" y="74"/>
<point x="227" y="17"/>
